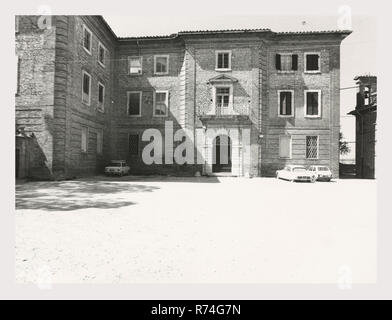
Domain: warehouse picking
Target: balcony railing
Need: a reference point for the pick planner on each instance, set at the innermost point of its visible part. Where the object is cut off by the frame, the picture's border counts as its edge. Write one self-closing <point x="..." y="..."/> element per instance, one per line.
<point x="226" y="111"/>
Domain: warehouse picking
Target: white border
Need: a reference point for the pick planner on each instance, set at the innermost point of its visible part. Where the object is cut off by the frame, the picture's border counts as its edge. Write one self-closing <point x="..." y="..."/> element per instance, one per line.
<point x="319" y="107"/>
<point x="319" y="62"/>
<point x="155" y="63"/>
<point x="100" y="45"/>
<point x="101" y="104"/>
<point x="167" y="104"/>
<point x="141" y="65"/>
<point x="89" y="89"/>
<point x="91" y="39"/>
<point x="217" y="52"/>
<point x="379" y="290"/>
<point x="230" y="107"/>
<point x="292" y="115"/>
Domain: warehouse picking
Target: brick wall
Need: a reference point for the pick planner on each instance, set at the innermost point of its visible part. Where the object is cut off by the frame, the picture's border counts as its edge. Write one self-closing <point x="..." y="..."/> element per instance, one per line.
<point x="148" y="83"/>
<point x="246" y="71"/>
<point x="49" y="101"/>
<point x="326" y="127"/>
<point x="34" y="100"/>
<point x="80" y="114"/>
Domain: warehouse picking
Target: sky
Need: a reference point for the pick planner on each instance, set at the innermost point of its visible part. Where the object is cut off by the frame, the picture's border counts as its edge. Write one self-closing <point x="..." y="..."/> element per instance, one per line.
<point x="358" y="54"/>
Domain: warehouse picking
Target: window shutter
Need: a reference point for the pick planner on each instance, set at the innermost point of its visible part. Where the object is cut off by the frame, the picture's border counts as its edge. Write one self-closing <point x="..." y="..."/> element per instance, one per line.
<point x="277" y="62"/>
<point x="294" y="62"/>
<point x="288" y="103"/>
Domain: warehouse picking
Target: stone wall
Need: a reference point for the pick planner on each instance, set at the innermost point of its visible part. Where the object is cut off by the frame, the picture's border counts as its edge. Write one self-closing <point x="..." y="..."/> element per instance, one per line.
<point x="49" y="98"/>
<point x="298" y="127"/>
<point x="35" y="48"/>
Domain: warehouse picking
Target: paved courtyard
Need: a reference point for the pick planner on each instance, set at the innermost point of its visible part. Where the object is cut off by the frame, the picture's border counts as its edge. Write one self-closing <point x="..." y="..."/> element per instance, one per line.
<point x="195" y="230"/>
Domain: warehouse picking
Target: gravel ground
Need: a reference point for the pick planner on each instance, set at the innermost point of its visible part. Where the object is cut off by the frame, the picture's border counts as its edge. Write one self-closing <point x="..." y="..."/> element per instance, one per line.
<point x="195" y="230"/>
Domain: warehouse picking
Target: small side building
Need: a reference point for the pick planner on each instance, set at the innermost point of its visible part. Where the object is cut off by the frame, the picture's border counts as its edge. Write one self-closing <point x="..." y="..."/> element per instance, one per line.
<point x="365" y="113"/>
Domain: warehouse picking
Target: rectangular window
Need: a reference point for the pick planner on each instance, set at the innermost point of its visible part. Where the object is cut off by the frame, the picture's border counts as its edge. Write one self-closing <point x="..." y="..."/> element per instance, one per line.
<point x="134" y="144"/>
<point x="101" y="96"/>
<point x="161" y="64"/>
<point x="161" y="104"/>
<point x="86" y="87"/>
<point x="222" y="97"/>
<point x="87" y="35"/>
<point x="312" y="62"/>
<point x="311" y="147"/>
<point x="134" y="103"/>
<point x="135" y="65"/>
<point x="101" y="54"/>
<point x="223" y="60"/>
<point x="286" y="62"/>
<point x="99" y="142"/>
<point x="84" y="141"/>
<point x="285" y="147"/>
<point x="312" y="103"/>
<point x="286" y="103"/>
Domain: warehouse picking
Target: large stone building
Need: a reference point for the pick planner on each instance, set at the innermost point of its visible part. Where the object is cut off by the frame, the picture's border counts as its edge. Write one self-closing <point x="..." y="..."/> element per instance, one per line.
<point x="87" y="96"/>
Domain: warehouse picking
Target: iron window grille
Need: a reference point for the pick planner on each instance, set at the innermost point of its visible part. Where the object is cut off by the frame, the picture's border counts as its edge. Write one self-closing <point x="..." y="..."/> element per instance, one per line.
<point x="311" y="147"/>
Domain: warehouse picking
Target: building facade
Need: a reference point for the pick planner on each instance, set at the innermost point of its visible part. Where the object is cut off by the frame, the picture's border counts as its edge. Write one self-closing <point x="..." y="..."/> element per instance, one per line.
<point x="88" y="96"/>
<point x="365" y="113"/>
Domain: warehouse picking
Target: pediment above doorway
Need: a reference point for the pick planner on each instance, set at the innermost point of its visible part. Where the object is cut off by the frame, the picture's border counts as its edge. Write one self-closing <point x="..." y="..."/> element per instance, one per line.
<point x="222" y="78"/>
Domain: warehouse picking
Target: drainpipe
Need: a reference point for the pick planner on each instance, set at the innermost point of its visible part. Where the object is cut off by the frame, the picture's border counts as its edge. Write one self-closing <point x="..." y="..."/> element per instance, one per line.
<point x="194" y="105"/>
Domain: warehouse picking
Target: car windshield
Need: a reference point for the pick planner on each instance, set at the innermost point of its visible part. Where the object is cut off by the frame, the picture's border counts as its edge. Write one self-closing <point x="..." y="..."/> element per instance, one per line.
<point x="115" y="164"/>
<point x="323" y="169"/>
<point x="299" y="169"/>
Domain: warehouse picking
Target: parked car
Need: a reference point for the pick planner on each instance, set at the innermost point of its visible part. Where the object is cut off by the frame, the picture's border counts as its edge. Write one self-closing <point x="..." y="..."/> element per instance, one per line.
<point x="322" y="173"/>
<point x="117" y="167"/>
<point x="295" y="173"/>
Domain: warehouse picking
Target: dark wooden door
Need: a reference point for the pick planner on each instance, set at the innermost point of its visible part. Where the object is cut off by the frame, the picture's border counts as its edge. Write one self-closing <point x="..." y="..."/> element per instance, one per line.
<point x="222" y="161"/>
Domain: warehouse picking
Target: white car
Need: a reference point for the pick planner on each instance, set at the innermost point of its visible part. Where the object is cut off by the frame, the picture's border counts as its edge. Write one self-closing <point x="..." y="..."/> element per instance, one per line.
<point x="117" y="167"/>
<point x="295" y="173"/>
<point x="321" y="172"/>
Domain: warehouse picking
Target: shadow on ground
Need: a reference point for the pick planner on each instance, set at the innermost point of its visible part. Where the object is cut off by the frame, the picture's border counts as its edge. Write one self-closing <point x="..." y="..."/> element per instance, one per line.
<point x="74" y="195"/>
<point x="155" y="178"/>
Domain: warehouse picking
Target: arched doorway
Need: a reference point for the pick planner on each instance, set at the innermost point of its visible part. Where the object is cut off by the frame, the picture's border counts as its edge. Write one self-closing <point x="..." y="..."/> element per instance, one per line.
<point x="222" y="154"/>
